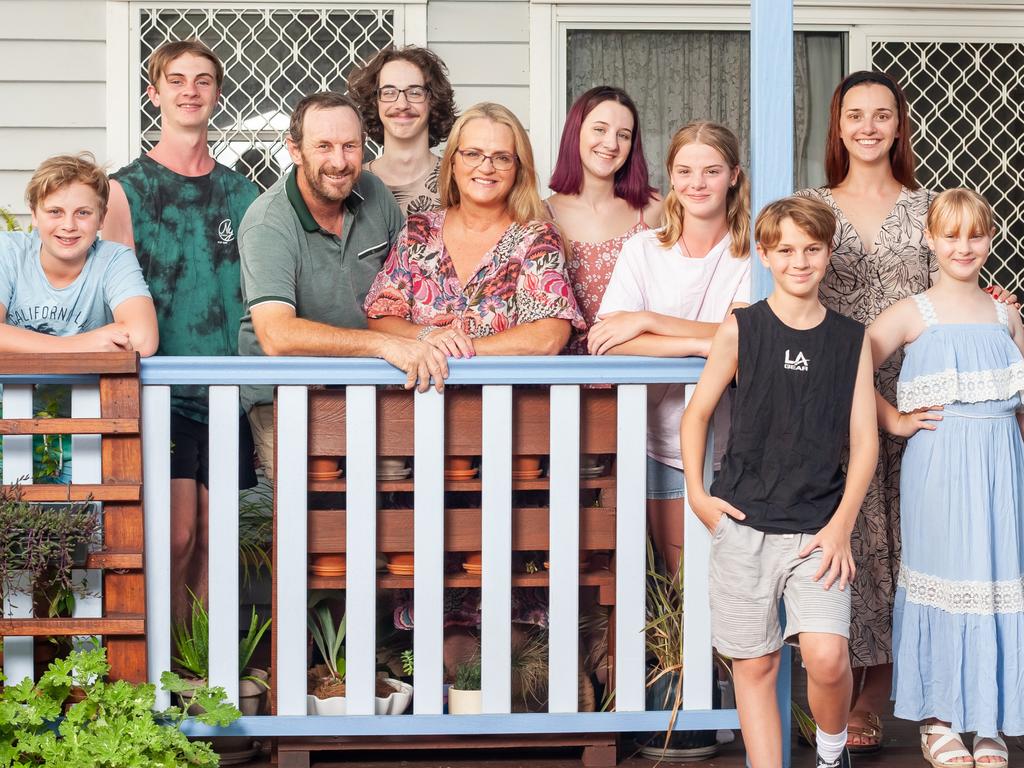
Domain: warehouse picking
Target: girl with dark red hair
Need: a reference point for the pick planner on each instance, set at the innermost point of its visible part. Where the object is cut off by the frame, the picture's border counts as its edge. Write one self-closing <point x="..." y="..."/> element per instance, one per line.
<point x="602" y="193"/>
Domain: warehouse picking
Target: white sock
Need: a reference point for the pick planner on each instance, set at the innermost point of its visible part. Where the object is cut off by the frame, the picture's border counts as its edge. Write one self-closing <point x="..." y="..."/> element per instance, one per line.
<point x="830" y="746"/>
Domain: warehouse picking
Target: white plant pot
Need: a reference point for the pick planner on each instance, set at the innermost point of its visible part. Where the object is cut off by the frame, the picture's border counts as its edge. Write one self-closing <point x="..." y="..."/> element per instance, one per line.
<point x="335" y="705"/>
<point x="397" y="702"/>
<point x="464" y="702"/>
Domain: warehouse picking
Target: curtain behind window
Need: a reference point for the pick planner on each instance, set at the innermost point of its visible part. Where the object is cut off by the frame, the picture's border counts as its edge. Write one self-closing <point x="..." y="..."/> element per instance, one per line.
<point x="677" y="76"/>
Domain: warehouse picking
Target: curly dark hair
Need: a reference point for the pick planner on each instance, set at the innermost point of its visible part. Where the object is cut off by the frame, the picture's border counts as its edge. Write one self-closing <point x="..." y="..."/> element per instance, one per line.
<point x="362" y="86"/>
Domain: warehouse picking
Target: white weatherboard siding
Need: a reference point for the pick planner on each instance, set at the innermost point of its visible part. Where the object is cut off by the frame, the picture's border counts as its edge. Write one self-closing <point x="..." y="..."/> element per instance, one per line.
<point x="486" y="45"/>
<point x="52" y="83"/>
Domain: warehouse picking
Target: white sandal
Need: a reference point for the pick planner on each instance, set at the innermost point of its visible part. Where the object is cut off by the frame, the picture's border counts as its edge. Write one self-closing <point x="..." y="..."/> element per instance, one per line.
<point x="991" y="746"/>
<point x="940" y="758"/>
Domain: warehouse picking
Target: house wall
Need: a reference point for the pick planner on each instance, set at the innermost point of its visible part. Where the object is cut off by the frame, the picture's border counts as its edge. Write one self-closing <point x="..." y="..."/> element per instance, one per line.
<point x="486" y="45"/>
<point x="52" y="75"/>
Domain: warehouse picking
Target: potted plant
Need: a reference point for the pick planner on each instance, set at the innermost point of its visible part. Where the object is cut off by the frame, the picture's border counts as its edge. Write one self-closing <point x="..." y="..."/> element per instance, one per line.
<point x="464" y="696"/>
<point x="326" y="681"/>
<point x="192" y="639"/>
<point x="113" y="724"/>
<point x="664" y="633"/>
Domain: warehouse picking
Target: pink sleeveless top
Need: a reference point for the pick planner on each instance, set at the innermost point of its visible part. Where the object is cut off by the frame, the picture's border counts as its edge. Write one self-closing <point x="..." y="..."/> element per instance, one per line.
<point x="590" y="268"/>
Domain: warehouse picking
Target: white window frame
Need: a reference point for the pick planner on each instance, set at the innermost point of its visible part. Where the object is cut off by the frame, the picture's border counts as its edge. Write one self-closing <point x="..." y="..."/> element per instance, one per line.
<point x="864" y="22"/>
<point x="124" y="121"/>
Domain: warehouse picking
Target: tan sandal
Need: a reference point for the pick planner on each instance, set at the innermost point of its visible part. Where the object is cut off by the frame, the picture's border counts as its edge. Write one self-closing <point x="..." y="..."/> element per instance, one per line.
<point x="934" y="752"/>
<point x="989" y="746"/>
<point x="871" y="730"/>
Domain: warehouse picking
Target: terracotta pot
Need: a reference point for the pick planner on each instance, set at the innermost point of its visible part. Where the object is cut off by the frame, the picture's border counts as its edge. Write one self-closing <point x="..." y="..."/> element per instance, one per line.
<point x="525" y="463"/>
<point x="328" y="561"/>
<point x="390" y="465"/>
<point x="318" y="464"/>
<point x="458" y="463"/>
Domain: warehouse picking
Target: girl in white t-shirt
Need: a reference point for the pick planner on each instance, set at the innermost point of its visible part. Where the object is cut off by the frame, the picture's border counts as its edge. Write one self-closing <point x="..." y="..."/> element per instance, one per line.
<point x="670" y="289"/>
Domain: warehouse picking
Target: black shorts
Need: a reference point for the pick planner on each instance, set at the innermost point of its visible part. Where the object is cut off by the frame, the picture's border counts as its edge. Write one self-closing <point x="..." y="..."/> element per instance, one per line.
<point x="190" y="451"/>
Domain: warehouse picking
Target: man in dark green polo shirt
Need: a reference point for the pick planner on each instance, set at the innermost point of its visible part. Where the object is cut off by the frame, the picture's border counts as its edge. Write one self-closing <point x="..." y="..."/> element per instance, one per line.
<point x="310" y="247"/>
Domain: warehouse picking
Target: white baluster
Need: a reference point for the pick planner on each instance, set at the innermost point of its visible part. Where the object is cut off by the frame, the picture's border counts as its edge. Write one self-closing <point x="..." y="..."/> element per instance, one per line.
<point x="361" y="548"/>
<point x="631" y="548"/>
<point x="496" y="532"/>
<point x="290" y="612"/>
<point x="156" y="487"/>
<point x="564" y="528"/>
<point x="18" y="469"/>
<point x="428" y="578"/>
<point x="223" y="554"/>
<point x="87" y="468"/>
<point x="697" y="628"/>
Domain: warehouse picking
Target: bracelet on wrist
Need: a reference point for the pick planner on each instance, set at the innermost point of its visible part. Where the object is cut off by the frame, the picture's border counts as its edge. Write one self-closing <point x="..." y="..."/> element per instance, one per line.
<point x="425" y="331"/>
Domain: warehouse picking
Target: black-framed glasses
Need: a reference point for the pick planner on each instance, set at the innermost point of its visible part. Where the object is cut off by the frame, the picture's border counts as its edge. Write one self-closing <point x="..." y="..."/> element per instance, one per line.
<point x="501" y="161"/>
<point x="414" y="94"/>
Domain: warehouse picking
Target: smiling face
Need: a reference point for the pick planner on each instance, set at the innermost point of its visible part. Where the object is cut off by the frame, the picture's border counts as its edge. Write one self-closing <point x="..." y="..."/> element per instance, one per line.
<point x="701" y="179"/>
<point x="797" y="262"/>
<point x="485" y="185"/>
<point x="186" y="93"/>
<point x="606" y="137"/>
<point x="68" y="221"/>
<point x="331" y="155"/>
<point x="401" y="119"/>
<point x="867" y="122"/>
<point x="960" y="248"/>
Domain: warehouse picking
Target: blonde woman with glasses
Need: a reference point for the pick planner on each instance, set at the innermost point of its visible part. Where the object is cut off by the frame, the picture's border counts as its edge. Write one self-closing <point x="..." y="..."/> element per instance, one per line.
<point x="486" y="273"/>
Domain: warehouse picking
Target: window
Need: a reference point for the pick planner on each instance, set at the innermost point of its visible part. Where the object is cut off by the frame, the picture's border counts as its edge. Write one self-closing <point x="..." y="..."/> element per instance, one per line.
<point x="676" y="76"/>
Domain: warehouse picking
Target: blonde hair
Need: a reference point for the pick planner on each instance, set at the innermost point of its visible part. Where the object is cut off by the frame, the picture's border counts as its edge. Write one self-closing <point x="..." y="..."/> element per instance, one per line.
<point x="55" y="173"/>
<point x="812" y="216"/>
<point x="737" y="212"/>
<point x="951" y="207"/>
<point x="168" y="52"/>
<point x="523" y="202"/>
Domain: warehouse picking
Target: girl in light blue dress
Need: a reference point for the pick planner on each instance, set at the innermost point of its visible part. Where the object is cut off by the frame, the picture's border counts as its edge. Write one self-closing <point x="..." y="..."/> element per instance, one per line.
<point x="958" y="623"/>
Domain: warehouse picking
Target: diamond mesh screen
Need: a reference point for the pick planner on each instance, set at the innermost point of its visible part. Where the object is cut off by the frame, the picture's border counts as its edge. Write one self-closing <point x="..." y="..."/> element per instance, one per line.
<point x="272" y="58"/>
<point x="967" y="102"/>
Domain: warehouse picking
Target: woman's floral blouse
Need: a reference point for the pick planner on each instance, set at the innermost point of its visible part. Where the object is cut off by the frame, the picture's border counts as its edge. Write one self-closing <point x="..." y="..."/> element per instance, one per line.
<point x="521" y="279"/>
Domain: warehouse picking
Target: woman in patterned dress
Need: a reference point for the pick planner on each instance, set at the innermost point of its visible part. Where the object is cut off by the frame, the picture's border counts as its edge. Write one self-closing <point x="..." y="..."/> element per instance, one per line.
<point x="486" y="273"/>
<point x="879" y="257"/>
<point x="602" y="193"/>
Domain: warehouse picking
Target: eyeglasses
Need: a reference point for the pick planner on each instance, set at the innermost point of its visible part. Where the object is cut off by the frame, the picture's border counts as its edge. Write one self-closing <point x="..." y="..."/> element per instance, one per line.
<point x="474" y="158"/>
<point x="414" y="94"/>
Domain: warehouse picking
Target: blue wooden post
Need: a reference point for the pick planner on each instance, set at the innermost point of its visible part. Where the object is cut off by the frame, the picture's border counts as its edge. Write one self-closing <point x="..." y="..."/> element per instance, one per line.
<point x="771" y="152"/>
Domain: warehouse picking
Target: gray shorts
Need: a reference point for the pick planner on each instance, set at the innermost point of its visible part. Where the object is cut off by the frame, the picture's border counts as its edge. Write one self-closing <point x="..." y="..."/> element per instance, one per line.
<point x="750" y="572"/>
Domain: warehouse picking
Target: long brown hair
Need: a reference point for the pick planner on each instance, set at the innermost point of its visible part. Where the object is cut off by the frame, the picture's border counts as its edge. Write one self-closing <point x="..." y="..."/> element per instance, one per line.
<point x="523" y="202"/>
<point x="901" y="154"/>
<point x="737" y="210"/>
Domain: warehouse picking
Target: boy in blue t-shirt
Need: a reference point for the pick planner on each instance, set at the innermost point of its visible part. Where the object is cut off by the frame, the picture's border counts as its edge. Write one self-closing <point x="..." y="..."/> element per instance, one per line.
<point x="61" y="288"/>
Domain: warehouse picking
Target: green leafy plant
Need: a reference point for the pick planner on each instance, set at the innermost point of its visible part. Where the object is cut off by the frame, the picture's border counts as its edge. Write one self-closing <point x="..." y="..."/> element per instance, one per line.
<point x="192" y="640"/>
<point x="49" y="449"/>
<point x="529" y="668"/>
<point x="10" y="221"/>
<point x="113" y="726"/>
<point x="41" y="541"/>
<point x="328" y="638"/>
<point x="408" y="663"/>
<point x="664" y="633"/>
<point x="467" y="675"/>
<point x="255" y="531"/>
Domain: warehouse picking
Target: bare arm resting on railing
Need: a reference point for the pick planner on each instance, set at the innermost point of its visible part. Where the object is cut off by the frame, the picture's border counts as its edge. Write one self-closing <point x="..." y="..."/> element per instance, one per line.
<point x="280" y="332"/>
<point x="541" y="337"/>
<point x="134" y="328"/>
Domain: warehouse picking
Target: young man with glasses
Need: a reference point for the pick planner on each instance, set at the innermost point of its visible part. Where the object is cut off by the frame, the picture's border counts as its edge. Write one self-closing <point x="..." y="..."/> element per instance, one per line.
<point x="311" y="245"/>
<point x="408" y="106"/>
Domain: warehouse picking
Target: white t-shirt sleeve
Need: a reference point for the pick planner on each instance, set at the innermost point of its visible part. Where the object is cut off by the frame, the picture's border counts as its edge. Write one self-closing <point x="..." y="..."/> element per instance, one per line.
<point x="742" y="295"/>
<point x="123" y="278"/>
<point x="625" y="291"/>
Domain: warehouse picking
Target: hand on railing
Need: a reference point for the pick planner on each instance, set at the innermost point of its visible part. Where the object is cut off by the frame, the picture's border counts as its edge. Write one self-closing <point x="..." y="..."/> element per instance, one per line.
<point x="451" y="341"/>
<point x="419" y="360"/>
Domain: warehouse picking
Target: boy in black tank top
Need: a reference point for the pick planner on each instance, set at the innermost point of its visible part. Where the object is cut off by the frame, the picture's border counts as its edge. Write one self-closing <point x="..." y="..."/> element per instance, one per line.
<point x="782" y="510"/>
